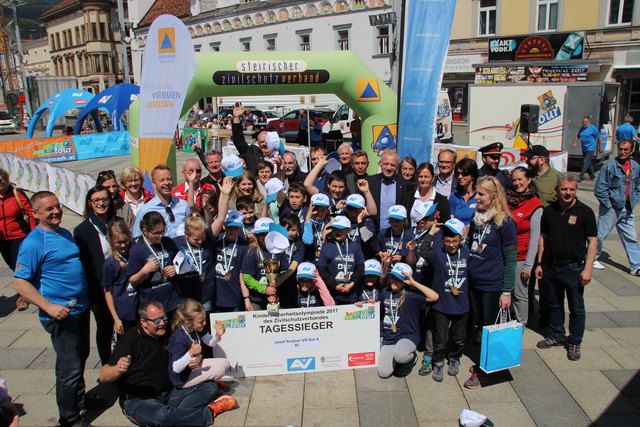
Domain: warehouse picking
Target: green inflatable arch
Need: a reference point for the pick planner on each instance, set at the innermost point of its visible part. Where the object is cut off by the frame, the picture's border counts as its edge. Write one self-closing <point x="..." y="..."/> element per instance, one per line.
<point x="228" y="74"/>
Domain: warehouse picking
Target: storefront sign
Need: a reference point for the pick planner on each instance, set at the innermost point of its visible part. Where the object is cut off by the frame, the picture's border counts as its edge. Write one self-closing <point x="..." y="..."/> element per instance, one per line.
<point x="532" y="74"/>
<point x="558" y="46"/>
<point x="237" y="78"/>
<point x="461" y="63"/>
<point x="299" y="340"/>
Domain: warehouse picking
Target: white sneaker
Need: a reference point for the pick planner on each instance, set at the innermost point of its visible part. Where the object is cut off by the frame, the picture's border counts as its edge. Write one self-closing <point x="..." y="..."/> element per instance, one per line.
<point x="597" y="265"/>
<point x="635" y="272"/>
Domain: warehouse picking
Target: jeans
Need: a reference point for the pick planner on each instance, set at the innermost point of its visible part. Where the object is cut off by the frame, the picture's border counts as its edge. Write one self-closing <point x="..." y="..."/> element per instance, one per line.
<point x="558" y="281"/>
<point x="623" y="220"/>
<point x="457" y="323"/>
<point x="70" y="340"/>
<point x="587" y="165"/>
<point x="176" y="407"/>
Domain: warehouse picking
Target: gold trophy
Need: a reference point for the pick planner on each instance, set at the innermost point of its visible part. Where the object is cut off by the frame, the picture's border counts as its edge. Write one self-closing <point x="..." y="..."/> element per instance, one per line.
<point x="271" y="266"/>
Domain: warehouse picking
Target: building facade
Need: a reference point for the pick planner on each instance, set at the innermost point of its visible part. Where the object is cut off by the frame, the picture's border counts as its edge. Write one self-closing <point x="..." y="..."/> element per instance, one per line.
<point x="36" y="57"/>
<point x="82" y="42"/>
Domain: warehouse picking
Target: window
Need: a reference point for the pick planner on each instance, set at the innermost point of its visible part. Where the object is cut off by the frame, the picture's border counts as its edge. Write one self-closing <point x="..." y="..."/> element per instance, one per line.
<point x="103" y="31"/>
<point x="487" y="17"/>
<point x="197" y="47"/>
<point x="94" y="31"/>
<point x="215" y="46"/>
<point x="343" y="39"/>
<point x="547" y="15"/>
<point x="78" y="39"/>
<point x="270" y="44"/>
<point x="304" y="42"/>
<point x="620" y="12"/>
<point x="246" y="44"/>
<point x="383" y="40"/>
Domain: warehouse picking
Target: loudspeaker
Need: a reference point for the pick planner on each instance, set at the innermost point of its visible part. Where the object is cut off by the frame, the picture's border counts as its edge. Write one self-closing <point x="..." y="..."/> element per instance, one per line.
<point x="529" y="114"/>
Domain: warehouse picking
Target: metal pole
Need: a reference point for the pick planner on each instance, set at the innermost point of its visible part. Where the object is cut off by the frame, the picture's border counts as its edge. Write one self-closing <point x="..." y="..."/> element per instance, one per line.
<point x="27" y="99"/>
<point x="125" y="54"/>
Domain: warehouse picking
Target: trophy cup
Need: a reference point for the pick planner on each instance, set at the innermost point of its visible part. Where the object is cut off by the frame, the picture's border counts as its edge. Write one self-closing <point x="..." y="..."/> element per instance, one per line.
<point x="271" y="266"/>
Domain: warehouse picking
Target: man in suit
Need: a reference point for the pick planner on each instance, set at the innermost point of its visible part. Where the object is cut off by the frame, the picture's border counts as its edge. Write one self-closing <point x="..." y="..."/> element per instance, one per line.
<point x="389" y="188"/>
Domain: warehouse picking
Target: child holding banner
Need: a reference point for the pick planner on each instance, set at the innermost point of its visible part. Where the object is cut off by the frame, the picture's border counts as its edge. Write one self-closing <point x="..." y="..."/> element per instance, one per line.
<point x="400" y="321"/>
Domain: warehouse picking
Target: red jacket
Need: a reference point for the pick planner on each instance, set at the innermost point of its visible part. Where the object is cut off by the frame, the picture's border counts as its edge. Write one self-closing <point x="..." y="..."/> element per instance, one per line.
<point x="146" y="193"/>
<point x="181" y="192"/>
<point x="10" y="212"/>
<point x="522" y="216"/>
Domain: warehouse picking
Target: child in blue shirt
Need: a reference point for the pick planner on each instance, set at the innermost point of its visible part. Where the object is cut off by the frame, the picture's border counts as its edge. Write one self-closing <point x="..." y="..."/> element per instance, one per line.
<point x="296" y="202"/>
<point x="362" y="227"/>
<point x="390" y="239"/>
<point x="374" y="273"/>
<point x="230" y="249"/>
<point x="295" y="255"/>
<point x="314" y="226"/>
<point x="311" y="289"/>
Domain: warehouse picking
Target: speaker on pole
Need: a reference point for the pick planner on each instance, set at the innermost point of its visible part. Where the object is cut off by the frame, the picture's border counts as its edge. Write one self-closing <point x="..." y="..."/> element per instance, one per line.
<point x="529" y="114"/>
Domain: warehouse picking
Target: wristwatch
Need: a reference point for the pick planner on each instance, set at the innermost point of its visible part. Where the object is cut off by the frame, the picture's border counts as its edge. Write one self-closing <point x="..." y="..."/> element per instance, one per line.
<point x="507" y="293"/>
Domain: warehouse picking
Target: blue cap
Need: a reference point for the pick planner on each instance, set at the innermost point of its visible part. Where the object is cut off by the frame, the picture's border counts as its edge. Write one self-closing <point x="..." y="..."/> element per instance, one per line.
<point x="262" y="225"/>
<point x="399" y="268"/>
<point x="234" y="219"/>
<point x="373" y="267"/>
<point x="306" y="270"/>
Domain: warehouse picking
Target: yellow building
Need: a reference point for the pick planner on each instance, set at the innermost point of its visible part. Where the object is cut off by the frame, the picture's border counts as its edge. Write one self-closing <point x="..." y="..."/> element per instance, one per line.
<point x="610" y="32"/>
<point x="36" y="57"/>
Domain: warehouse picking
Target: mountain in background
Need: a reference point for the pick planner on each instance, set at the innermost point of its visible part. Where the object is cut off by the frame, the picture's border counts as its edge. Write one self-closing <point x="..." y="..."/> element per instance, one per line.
<point x="29" y="17"/>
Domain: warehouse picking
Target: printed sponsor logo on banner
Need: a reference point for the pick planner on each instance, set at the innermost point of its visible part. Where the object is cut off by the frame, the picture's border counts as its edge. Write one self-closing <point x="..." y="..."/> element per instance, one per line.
<point x="236" y="78"/>
<point x="237" y="322"/>
<point x="362" y="359"/>
<point x="271" y="66"/>
<point x="301" y="364"/>
<point x="331" y="361"/>
<point x="166" y="40"/>
<point x="79" y="101"/>
<point x="368" y="313"/>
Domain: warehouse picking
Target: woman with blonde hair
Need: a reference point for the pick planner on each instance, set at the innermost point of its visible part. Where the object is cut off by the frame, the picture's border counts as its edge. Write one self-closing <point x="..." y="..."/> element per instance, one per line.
<point x="245" y="184"/>
<point x="132" y="194"/>
<point x="493" y="241"/>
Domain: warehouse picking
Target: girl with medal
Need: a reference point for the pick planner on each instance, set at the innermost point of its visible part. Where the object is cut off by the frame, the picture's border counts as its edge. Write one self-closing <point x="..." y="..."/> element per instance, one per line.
<point x="390" y="239"/>
<point x="362" y="227"/>
<point x="231" y="292"/>
<point x="311" y="289"/>
<point x="341" y="263"/>
<point x="187" y="368"/>
<point x="314" y="225"/>
<point x="492" y="266"/>
<point x="400" y="321"/>
<point x="121" y="296"/>
<point x="150" y="267"/>
<point x="91" y="238"/>
<point x="374" y="273"/>
<point x="425" y="217"/>
<point x="253" y="269"/>
<point x="449" y="261"/>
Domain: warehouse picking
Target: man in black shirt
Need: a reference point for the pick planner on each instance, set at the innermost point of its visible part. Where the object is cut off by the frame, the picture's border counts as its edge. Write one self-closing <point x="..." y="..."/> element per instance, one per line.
<point x="139" y="366"/>
<point x="567" y="249"/>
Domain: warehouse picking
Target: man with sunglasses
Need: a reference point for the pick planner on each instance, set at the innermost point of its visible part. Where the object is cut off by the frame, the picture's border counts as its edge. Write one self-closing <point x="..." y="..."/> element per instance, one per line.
<point x="192" y="172"/>
<point x="138" y="365"/>
<point x="589" y="136"/>
<point x="618" y="191"/>
<point x="173" y="210"/>
<point x="546" y="177"/>
<point x="491" y="161"/>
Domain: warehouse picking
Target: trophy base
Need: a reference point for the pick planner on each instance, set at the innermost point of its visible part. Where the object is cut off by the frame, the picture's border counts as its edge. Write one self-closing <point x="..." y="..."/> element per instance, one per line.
<point x="273" y="308"/>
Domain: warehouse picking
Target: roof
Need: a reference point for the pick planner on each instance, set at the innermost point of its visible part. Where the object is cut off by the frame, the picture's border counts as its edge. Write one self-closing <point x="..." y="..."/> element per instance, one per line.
<point x="179" y="8"/>
<point x="60" y="6"/>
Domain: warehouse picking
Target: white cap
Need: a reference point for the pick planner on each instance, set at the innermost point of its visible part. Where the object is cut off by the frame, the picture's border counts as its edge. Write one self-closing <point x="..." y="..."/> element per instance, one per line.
<point x="262" y="225"/>
<point x="231" y="165"/>
<point x="273" y="187"/>
<point x="356" y="201"/>
<point x="320" y="199"/>
<point x="306" y="270"/>
<point x="470" y="418"/>
<point x="422" y="210"/>
<point x="455" y="225"/>
<point x="373" y="267"/>
<point x="340" y="222"/>
<point x="277" y="240"/>
<point x="399" y="268"/>
<point x="397" y="212"/>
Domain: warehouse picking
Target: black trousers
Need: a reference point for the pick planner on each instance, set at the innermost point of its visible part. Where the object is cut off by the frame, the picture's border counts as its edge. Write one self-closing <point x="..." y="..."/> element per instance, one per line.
<point x="457" y="324"/>
<point x="9" y="250"/>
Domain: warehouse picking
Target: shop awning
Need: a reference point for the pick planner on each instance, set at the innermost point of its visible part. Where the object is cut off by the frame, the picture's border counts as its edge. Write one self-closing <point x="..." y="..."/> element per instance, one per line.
<point x="593" y="64"/>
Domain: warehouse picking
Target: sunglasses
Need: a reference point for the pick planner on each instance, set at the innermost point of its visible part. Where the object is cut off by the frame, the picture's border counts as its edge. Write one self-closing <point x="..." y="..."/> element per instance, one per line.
<point x="157" y="321"/>
<point x="106" y="173"/>
<point x="463" y="173"/>
<point x="169" y="212"/>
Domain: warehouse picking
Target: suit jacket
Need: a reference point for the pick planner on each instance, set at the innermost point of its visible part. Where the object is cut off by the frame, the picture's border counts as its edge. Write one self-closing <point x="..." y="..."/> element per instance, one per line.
<point x="404" y="193"/>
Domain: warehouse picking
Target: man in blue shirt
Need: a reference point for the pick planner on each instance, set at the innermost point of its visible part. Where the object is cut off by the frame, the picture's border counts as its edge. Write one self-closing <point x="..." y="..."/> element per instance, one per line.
<point x="49" y="274"/>
<point x="171" y="208"/>
<point x="626" y="131"/>
<point x="588" y="136"/>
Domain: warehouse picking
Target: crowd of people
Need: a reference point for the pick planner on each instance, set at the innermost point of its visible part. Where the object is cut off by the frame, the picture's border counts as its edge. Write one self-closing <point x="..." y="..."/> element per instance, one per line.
<point x="443" y="248"/>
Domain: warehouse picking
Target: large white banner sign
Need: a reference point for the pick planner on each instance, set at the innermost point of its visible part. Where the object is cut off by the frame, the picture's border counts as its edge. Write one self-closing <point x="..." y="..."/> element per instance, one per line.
<point x="299" y="340"/>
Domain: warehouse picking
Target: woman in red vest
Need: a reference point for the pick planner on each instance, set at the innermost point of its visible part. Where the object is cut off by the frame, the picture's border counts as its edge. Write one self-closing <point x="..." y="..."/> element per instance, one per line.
<point x="526" y="210"/>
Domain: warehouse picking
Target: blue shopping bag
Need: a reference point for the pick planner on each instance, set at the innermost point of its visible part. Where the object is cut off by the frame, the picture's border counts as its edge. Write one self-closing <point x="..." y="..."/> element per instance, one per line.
<point x="501" y="346"/>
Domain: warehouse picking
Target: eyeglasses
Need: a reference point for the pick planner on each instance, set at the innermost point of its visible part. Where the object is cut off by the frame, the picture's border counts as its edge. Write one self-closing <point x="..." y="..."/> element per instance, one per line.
<point x="157" y="320"/>
<point x="159" y="233"/>
<point x="463" y="173"/>
<point x="169" y="212"/>
<point x="100" y="200"/>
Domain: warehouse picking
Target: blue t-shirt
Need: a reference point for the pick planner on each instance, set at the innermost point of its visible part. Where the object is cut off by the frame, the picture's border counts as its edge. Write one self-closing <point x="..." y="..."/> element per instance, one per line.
<point x="341" y="264"/>
<point x="450" y="270"/>
<point x="286" y="209"/>
<point x="253" y="264"/>
<point x="390" y="242"/>
<point x="50" y="261"/>
<point x="312" y="237"/>
<point x="369" y="293"/>
<point x="179" y="344"/>
<point x="125" y="296"/>
<point x="406" y="319"/>
<point x="309" y="299"/>
<point x="228" y="259"/>
<point x="626" y="131"/>
<point x="155" y="286"/>
<point x="191" y="284"/>
<point x="422" y="271"/>
<point x="588" y="137"/>
<point x="486" y="264"/>
<point x="460" y="209"/>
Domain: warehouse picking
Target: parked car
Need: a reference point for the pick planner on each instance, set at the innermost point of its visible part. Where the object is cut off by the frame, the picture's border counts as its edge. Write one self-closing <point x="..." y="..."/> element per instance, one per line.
<point x="7" y="124"/>
<point x="290" y="122"/>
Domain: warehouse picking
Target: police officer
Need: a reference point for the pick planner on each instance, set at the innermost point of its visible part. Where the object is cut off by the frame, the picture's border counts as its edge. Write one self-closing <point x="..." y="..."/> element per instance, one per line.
<point x="491" y="160"/>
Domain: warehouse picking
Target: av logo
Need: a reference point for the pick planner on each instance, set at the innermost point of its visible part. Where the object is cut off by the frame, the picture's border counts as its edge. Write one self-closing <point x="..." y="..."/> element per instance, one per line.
<point x="104" y="99"/>
<point x="301" y="364"/>
<point x="167" y="40"/>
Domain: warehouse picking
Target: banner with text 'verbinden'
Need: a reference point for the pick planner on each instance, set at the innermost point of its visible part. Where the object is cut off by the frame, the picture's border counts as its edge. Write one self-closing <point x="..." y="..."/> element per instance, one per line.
<point x="168" y="64"/>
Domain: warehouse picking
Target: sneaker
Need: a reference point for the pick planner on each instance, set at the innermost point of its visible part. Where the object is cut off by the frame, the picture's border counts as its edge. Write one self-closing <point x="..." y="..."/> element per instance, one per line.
<point x="222" y="404"/>
<point x="437" y="371"/>
<point x="475" y="380"/>
<point x="426" y="367"/>
<point x="635" y="272"/>
<point x="404" y="369"/>
<point x="550" y="342"/>
<point x="454" y="367"/>
<point x="573" y="352"/>
<point x="597" y="265"/>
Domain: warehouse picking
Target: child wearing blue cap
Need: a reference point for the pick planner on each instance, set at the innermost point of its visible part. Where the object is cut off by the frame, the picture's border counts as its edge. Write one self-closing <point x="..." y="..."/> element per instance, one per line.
<point x="400" y="321"/>
<point x="230" y="249"/>
<point x="390" y="239"/>
<point x="315" y="222"/>
<point x="374" y="273"/>
<point x="363" y="228"/>
<point x="312" y="291"/>
<point x="295" y="255"/>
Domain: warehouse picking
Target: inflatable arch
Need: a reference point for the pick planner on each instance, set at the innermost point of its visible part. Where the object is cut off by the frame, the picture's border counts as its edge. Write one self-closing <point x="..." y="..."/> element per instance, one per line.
<point x="228" y="74"/>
